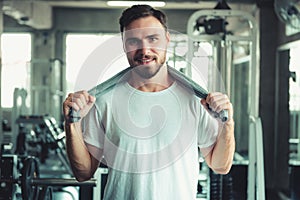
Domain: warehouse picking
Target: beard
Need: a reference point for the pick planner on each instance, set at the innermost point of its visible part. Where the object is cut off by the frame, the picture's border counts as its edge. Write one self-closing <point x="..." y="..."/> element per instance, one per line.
<point x="147" y="71"/>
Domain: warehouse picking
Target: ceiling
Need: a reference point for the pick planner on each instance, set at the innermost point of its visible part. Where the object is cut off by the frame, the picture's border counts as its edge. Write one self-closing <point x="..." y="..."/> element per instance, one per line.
<point x="170" y="4"/>
<point x="178" y="1"/>
<point x="37" y="13"/>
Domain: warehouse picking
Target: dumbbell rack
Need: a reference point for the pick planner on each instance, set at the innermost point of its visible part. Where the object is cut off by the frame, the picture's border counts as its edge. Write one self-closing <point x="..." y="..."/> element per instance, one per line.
<point x="27" y="174"/>
<point x="54" y="133"/>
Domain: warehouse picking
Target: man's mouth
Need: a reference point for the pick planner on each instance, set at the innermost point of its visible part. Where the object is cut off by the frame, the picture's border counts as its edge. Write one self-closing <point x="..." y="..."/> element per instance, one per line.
<point x="145" y="61"/>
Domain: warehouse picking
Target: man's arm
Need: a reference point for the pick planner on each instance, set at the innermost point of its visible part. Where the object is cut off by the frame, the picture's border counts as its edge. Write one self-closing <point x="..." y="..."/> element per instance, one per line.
<point x="220" y="158"/>
<point x="82" y="162"/>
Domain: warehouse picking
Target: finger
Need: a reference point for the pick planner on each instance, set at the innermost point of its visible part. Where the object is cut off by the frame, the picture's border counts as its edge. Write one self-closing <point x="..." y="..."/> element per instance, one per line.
<point x="65" y="107"/>
<point x="82" y="96"/>
<point x="221" y="104"/>
<point x="204" y="103"/>
<point x="81" y="99"/>
<point x="217" y="100"/>
<point x="92" y="99"/>
<point x="70" y="97"/>
<point x="75" y="101"/>
<point x="86" y="95"/>
<point x="211" y="97"/>
<point x="71" y="104"/>
<point x="66" y="103"/>
<point x="225" y="105"/>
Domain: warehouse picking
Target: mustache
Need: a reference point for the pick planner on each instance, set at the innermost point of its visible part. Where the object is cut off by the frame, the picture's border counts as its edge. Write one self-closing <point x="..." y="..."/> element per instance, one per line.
<point x="140" y="57"/>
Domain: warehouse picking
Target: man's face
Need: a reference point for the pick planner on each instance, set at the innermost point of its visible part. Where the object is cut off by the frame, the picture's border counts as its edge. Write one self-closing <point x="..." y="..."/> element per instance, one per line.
<point x="145" y="43"/>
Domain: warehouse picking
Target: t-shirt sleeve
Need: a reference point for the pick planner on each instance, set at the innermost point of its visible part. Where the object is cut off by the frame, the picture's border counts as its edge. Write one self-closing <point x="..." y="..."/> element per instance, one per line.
<point x="207" y="131"/>
<point x="93" y="130"/>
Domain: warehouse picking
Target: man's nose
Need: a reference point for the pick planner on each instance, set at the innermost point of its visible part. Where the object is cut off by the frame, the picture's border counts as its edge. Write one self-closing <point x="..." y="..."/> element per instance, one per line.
<point x="144" y="48"/>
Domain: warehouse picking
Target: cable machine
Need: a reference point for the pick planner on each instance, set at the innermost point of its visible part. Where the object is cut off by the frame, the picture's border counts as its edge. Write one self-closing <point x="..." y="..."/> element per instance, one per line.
<point x="227" y="39"/>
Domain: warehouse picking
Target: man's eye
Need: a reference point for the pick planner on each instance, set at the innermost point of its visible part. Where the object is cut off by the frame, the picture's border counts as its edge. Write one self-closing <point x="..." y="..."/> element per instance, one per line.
<point x="153" y="39"/>
<point x="132" y="42"/>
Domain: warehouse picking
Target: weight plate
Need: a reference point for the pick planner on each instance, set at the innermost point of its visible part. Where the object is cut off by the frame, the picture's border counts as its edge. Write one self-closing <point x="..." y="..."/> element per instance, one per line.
<point x="45" y="193"/>
<point x="29" y="172"/>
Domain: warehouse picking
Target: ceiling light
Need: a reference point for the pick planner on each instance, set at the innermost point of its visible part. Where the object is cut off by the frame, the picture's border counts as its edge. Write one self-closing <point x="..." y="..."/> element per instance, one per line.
<point x="131" y="3"/>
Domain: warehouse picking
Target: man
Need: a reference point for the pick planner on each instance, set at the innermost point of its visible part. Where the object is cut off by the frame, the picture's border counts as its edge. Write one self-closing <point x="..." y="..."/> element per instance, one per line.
<point x="148" y="128"/>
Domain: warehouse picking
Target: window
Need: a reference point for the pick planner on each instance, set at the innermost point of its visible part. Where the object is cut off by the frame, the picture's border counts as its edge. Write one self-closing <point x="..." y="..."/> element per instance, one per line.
<point x="16" y="56"/>
<point x="294" y="94"/>
<point x="295" y="79"/>
<point x="80" y="48"/>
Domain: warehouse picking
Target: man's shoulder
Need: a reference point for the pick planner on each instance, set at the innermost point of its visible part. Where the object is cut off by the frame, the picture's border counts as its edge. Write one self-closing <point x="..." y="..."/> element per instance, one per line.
<point x="108" y="93"/>
<point x="105" y="88"/>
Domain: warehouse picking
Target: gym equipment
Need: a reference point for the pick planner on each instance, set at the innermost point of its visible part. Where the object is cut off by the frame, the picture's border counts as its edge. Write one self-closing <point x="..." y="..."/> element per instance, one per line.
<point x="232" y="36"/>
<point x="30" y="181"/>
<point x="119" y="77"/>
<point x="29" y="172"/>
<point x="52" y="137"/>
<point x="220" y="187"/>
<point x="288" y="11"/>
<point x="10" y="164"/>
<point x="19" y="108"/>
<point x="295" y="180"/>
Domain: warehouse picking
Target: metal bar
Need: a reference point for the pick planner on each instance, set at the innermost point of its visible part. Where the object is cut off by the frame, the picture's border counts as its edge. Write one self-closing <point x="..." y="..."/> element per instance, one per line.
<point x="260" y="161"/>
<point x="62" y="182"/>
<point x="97" y="189"/>
<point x="15" y="181"/>
<point x="206" y="37"/>
<point x="252" y="161"/>
<point x="53" y="182"/>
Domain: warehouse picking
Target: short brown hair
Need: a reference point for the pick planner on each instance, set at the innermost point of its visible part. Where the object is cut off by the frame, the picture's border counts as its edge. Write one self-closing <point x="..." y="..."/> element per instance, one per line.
<point x="139" y="11"/>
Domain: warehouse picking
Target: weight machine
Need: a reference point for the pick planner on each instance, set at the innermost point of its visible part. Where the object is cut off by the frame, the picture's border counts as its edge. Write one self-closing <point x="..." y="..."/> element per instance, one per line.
<point x="39" y="141"/>
<point x="231" y="38"/>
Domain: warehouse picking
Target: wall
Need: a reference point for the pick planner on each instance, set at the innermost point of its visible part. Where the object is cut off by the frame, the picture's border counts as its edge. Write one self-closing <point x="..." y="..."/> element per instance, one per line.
<point x="107" y="20"/>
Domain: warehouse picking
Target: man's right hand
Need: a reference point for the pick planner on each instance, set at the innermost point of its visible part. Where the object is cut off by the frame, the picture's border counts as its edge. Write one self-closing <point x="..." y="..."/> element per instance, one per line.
<point x="80" y="101"/>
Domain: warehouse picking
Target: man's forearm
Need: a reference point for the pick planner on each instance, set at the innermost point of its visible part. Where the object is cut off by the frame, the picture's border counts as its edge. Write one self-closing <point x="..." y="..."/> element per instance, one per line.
<point x="78" y="154"/>
<point x="222" y="154"/>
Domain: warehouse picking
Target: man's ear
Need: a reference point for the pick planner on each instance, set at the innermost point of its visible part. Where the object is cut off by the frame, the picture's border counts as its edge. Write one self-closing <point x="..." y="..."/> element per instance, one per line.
<point x="168" y="36"/>
<point x="124" y="49"/>
<point x="123" y="42"/>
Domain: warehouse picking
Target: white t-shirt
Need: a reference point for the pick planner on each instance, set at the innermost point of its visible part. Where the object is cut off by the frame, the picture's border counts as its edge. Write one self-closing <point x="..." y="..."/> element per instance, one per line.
<point x="150" y="141"/>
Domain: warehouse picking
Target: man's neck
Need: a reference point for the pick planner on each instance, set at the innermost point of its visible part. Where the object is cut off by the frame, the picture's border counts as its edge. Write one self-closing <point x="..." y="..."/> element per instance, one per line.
<point x="161" y="81"/>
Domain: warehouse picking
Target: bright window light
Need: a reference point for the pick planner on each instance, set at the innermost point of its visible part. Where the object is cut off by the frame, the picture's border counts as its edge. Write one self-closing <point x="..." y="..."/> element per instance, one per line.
<point x="295" y="83"/>
<point x="78" y="49"/>
<point x="131" y="3"/>
<point x="16" y="56"/>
